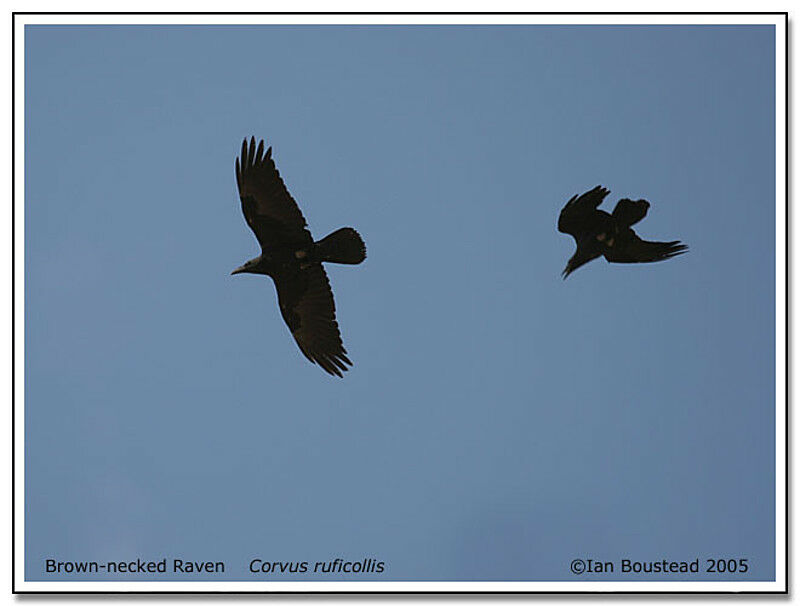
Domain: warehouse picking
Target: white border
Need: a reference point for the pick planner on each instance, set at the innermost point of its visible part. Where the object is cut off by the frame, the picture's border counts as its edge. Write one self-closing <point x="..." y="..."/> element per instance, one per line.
<point x="779" y="584"/>
<point x="401" y="19"/>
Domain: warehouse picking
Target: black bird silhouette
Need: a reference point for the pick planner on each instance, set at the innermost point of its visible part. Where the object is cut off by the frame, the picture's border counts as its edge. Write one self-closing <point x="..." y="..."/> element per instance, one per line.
<point x="598" y="233"/>
<point x="293" y="260"/>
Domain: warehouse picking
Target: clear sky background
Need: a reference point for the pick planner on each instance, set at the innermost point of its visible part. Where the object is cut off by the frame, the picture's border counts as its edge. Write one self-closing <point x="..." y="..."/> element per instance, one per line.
<point x="498" y="421"/>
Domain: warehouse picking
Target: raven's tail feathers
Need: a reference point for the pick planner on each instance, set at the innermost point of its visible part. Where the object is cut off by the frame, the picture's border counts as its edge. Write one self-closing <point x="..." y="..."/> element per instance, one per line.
<point x="342" y="246"/>
<point x="647" y="252"/>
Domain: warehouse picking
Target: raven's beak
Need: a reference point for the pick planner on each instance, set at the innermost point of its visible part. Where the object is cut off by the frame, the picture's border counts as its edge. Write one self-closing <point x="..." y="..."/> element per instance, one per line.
<point x="238" y="270"/>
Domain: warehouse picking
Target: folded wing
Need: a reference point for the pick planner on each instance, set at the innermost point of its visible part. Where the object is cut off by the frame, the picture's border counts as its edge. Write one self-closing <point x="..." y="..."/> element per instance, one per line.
<point x="628" y="212"/>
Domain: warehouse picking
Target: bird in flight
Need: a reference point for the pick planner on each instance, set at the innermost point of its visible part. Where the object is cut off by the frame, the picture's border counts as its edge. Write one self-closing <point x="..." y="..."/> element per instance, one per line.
<point x="293" y="260"/>
<point x="598" y="233"/>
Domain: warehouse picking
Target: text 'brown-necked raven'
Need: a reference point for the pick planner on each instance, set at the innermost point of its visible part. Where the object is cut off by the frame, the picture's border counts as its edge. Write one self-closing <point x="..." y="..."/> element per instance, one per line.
<point x="598" y="233"/>
<point x="293" y="260"/>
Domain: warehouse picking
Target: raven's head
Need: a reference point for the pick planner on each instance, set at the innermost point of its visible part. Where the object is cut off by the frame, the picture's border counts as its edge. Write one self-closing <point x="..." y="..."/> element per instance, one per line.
<point x="567" y="270"/>
<point x="251" y="267"/>
<point x="575" y="262"/>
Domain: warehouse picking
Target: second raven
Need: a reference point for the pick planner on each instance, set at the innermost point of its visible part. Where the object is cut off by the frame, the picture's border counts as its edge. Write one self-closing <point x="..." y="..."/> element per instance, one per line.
<point x="598" y="233"/>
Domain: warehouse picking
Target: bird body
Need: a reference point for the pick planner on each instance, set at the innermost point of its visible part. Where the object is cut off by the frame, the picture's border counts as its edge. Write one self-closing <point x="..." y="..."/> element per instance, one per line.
<point x="600" y="234"/>
<point x="293" y="260"/>
<point x="342" y="246"/>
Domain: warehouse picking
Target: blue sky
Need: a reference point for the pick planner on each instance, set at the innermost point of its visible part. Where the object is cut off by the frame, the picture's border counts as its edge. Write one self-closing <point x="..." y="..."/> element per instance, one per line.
<point x="498" y="421"/>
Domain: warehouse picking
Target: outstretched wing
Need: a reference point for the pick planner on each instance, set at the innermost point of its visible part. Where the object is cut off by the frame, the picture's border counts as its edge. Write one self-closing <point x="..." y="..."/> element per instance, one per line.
<point x="307" y="306"/>
<point x="579" y="210"/>
<point x="633" y="249"/>
<point x="628" y="212"/>
<point x="268" y="208"/>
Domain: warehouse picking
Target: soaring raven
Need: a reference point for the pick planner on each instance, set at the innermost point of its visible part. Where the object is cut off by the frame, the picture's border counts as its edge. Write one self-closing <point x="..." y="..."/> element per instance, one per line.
<point x="293" y="260"/>
<point x="597" y="233"/>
